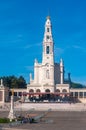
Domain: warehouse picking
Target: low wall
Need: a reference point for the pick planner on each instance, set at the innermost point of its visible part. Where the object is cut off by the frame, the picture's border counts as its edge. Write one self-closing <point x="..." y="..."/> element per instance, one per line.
<point x="52" y="106"/>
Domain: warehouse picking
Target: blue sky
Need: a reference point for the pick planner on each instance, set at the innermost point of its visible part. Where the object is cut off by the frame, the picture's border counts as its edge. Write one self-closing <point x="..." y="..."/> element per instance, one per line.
<point x="22" y="29"/>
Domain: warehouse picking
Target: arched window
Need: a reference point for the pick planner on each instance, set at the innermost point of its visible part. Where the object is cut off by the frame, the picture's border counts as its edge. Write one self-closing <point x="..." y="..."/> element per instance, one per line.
<point x="38" y="91"/>
<point x="57" y="90"/>
<point x="64" y="91"/>
<point x="47" y="74"/>
<point x="47" y="37"/>
<point x="31" y="91"/>
<point x="47" y="29"/>
<point x="47" y="90"/>
<point x="47" y="50"/>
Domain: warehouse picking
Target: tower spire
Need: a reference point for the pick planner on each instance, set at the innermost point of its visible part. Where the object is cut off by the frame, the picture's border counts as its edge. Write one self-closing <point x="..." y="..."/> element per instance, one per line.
<point x="48" y="53"/>
<point x="48" y="49"/>
<point x="48" y="13"/>
<point x="48" y="17"/>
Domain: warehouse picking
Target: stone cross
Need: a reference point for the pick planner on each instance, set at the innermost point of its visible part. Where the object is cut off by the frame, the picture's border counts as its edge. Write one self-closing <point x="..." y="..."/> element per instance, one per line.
<point x="1" y="82"/>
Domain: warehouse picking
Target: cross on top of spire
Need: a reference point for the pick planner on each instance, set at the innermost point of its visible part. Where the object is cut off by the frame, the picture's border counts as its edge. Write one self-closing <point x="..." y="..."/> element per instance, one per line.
<point x="48" y="17"/>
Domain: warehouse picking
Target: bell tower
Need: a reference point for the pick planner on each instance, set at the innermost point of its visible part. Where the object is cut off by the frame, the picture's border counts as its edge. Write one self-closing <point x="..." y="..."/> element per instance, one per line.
<point x="48" y="48"/>
<point x="48" y="54"/>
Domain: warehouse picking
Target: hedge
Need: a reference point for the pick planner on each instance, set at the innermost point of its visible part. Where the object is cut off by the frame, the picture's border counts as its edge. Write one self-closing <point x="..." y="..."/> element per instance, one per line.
<point x="4" y="120"/>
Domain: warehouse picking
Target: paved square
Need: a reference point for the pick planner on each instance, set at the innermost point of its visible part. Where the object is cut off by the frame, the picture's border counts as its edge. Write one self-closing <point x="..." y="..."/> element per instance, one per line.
<point x="55" y="120"/>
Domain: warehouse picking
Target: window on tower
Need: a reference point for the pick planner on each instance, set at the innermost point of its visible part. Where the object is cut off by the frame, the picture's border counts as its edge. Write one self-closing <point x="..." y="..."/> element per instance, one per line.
<point x="47" y="37"/>
<point x="47" y="29"/>
<point x="47" y="74"/>
<point x="47" y="50"/>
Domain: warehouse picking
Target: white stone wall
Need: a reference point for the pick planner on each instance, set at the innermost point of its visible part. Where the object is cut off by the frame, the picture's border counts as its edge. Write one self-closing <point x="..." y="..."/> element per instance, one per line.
<point x="40" y="75"/>
<point x="36" y="72"/>
<point x="61" y="87"/>
<point x="4" y="94"/>
<point x="42" y="88"/>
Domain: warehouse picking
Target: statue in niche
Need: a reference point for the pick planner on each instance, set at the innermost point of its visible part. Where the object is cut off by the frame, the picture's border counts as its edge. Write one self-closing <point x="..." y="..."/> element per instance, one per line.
<point x="47" y="74"/>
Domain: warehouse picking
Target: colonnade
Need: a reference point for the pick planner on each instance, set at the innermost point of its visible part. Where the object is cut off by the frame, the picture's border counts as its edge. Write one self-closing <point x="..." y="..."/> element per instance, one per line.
<point x="78" y="94"/>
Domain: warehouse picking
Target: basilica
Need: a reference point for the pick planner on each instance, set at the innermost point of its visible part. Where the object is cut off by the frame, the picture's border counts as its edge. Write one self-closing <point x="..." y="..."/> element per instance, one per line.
<point x="48" y="75"/>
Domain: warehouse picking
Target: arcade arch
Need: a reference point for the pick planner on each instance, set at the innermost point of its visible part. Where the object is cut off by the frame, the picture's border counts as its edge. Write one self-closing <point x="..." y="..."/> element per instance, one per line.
<point x="31" y="91"/>
<point x="64" y="91"/>
<point x="47" y="90"/>
<point x="38" y="90"/>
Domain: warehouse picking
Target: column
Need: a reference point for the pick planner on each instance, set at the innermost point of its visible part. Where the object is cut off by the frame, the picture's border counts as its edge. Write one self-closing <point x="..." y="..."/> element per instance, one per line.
<point x="78" y="94"/>
<point x="83" y="94"/>
<point x="61" y="72"/>
<point x="73" y="94"/>
<point x="17" y="94"/>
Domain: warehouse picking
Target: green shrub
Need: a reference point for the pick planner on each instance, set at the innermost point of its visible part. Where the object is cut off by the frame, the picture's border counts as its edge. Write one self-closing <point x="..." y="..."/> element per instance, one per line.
<point x="4" y="120"/>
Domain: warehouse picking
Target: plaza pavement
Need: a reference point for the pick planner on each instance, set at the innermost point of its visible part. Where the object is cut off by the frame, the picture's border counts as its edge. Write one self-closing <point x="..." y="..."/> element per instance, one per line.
<point x="63" y="116"/>
<point x="61" y="120"/>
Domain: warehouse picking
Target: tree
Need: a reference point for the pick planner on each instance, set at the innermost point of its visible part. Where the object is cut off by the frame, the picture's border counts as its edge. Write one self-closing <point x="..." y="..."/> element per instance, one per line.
<point x="77" y="85"/>
<point x="21" y="82"/>
<point x="14" y="82"/>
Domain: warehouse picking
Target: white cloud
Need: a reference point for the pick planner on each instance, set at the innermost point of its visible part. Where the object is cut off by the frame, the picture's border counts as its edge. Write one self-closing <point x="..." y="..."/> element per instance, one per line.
<point x="58" y="51"/>
<point x="28" y="46"/>
<point x="79" y="48"/>
<point x="30" y="68"/>
<point x="32" y="45"/>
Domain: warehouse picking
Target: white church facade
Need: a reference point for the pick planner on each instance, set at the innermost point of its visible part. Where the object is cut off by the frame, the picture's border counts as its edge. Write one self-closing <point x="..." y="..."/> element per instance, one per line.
<point x="48" y="75"/>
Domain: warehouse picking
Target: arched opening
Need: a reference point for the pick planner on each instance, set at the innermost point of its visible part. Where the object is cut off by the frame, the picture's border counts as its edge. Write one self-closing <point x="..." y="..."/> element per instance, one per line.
<point x="47" y="91"/>
<point x="47" y="29"/>
<point x="64" y="91"/>
<point x="38" y="91"/>
<point x="48" y="94"/>
<point x="47" y="74"/>
<point x="31" y="91"/>
<point x="47" y="50"/>
<point x="57" y="90"/>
